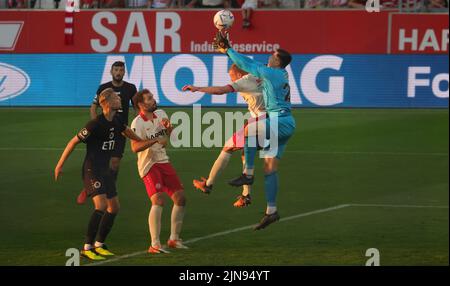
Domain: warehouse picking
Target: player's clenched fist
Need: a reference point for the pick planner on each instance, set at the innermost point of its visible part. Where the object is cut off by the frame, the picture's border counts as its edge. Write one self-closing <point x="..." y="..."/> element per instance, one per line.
<point x="166" y="123"/>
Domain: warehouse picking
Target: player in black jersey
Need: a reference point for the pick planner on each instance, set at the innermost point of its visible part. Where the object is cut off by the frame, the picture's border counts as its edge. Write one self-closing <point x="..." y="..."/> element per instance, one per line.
<point x="126" y="91"/>
<point x="100" y="135"/>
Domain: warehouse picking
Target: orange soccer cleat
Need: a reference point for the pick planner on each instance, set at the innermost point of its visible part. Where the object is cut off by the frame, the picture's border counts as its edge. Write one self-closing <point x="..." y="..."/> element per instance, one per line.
<point x="156" y="249"/>
<point x="242" y="201"/>
<point x="176" y="243"/>
<point x="201" y="185"/>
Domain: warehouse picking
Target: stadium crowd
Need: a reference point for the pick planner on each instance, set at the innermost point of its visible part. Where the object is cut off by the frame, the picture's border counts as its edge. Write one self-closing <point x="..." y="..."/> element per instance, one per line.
<point x="408" y="5"/>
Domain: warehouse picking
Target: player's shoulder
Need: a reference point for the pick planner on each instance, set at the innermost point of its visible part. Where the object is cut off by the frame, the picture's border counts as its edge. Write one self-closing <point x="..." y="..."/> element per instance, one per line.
<point x="160" y="113"/>
<point x="105" y="85"/>
<point x="94" y="122"/>
<point x="137" y="120"/>
<point x="250" y="78"/>
<point x="129" y="85"/>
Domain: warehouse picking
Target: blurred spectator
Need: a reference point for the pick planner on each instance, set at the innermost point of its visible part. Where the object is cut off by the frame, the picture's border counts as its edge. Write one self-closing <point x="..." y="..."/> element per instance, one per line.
<point x="247" y="8"/>
<point x="288" y="4"/>
<point x="162" y="4"/>
<point x="315" y="4"/>
<point x="359" y="4"/>
<point x="17" y="4"/>
<point x="139" y="3"/>
<point x="209" y="4"/>
<point x="270" y="3"/>
<point x="437" y="4"/>
<point x="338" y="4"/>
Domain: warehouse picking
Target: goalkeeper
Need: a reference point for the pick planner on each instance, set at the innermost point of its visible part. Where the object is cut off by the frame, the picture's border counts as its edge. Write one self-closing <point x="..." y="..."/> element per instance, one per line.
<point x="280" y="125"/>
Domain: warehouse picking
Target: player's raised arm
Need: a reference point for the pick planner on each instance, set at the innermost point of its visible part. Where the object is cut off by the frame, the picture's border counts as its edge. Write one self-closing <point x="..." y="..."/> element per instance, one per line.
<point x="247" y="64"/>
<point x="209" y="89"/>
<point x="221" y="44"/>
<point x="67" y="151"/>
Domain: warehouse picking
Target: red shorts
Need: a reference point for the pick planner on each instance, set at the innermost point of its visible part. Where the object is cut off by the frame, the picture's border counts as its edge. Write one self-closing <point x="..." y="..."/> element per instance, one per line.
<point x="238" y="138"/>
<point x="162" y="177"/>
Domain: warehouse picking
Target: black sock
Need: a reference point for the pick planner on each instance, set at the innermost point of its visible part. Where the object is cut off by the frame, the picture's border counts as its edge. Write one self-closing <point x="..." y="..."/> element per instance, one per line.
<point x="105" y="226"/>
<point x="93" y="226"/>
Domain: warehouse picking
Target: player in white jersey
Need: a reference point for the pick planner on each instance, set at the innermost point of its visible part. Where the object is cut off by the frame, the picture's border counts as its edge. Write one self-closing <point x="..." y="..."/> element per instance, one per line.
<point x="156" y="171"/>
<point x="250" y="90"/>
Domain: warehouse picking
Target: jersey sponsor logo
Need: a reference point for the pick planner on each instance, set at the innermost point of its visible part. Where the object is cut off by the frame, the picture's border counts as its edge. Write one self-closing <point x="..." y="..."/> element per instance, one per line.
<point x="108" y="145"/>
<point x="160" y="133"/>
<point x="97" y="185"/>
<point x="13" y="81"/>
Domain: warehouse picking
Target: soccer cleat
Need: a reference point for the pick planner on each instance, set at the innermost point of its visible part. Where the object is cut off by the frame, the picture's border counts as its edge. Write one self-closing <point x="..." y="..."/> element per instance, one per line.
<point x="201" y="185"/>
<point x="178" y="243"/>
<point x="91" y="254"/>
<point x="266" y="220"/>
<point x="81" y="199"/>
<point x="241" y="180"/>
<point x="103" y="250"/>
<point x="156" y="249"/>
<point x="242" y="201"/>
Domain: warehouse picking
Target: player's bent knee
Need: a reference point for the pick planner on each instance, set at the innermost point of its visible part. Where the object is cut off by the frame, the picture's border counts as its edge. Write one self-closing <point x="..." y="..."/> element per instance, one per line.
<point x="270" y="166"/>
<point x="157" y="200"/>
<point x="178" y="198"/>
<point x="100" y="202"/>
<point x="181" y="201"/>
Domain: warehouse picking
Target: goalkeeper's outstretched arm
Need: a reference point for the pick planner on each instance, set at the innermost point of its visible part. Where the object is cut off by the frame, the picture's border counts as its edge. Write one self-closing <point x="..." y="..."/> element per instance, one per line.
<point x="247" y="64"/>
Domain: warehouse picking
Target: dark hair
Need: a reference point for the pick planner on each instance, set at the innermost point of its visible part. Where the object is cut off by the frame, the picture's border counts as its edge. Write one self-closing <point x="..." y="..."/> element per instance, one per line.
<point x="139" y="97"/>
<point x="285" y="57"/>
<point x="118" y="64"/>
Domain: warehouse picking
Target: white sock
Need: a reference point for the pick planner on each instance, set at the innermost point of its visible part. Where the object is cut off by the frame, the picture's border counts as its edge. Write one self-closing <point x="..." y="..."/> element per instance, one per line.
<point x="154" y="223"/>
<point x="271" y="210"/>
<point x="176" y="222"/>
<point x="98" y="244"/>
<point x="87" y="246"/>
<point x="219" y="165"/>
<point x="246" y="189"/>
<point x="249" y="172"/>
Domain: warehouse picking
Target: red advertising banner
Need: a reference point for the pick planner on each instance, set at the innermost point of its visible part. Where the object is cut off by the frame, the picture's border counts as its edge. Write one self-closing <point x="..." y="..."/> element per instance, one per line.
<point x="418" y="34"/>
<point x="181" y="31"/>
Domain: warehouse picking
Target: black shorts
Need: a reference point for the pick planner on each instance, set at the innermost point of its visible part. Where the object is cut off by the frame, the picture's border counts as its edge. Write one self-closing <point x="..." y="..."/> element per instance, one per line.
<point x="98" y="181"/>
<point x="119" y="147"/>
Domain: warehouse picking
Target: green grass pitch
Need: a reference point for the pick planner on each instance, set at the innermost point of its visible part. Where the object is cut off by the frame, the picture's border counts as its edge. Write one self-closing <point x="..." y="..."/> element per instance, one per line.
<point x="389" y="160"/>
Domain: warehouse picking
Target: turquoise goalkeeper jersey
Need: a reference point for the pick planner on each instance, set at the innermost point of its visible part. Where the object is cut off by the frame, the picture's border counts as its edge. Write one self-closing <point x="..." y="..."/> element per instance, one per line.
<point x="276" y="89"/>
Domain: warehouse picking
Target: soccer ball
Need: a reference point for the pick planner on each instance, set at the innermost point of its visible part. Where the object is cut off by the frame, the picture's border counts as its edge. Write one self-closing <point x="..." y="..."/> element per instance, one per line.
<point x="223" y="19"/>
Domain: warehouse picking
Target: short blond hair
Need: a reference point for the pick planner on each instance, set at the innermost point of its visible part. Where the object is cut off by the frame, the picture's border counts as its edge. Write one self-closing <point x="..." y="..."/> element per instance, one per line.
<point x="105" y="95"/>
<point x="237" y="69"/>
